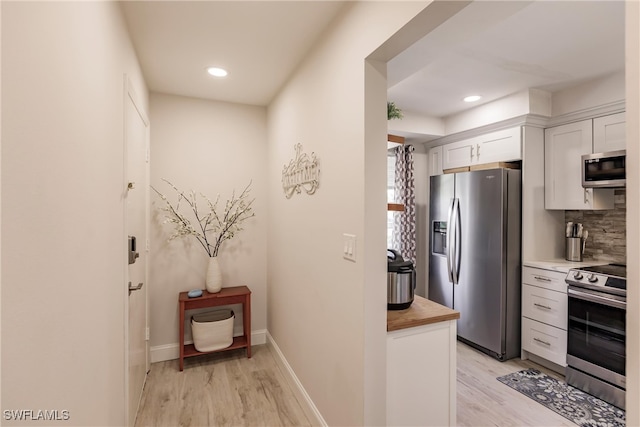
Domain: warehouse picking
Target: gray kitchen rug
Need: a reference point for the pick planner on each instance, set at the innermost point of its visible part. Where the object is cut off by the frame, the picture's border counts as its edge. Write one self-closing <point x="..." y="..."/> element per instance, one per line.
<point x="573" y="404"/>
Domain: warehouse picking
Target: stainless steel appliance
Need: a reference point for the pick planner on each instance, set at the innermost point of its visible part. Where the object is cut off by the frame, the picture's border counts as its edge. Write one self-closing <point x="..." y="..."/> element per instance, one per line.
<point x="596" y="341"/>
<point x="474" y="263"/>
<point x="401" y="281"/>
<point x="606" y="170"/>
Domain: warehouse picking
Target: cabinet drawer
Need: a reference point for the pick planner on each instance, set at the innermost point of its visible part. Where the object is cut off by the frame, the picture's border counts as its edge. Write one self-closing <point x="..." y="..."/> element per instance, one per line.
<point x="545" y="306"/>
<point x="553" y="280"/>
<point x="545" y="341"/>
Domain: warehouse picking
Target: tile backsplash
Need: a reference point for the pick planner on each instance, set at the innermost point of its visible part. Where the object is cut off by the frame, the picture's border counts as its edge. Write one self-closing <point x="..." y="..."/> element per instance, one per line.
<point x="607" y="230"/>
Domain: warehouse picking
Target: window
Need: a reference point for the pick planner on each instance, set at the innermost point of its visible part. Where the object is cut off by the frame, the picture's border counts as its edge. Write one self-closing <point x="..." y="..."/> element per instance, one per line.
<point x="391" y="178"/>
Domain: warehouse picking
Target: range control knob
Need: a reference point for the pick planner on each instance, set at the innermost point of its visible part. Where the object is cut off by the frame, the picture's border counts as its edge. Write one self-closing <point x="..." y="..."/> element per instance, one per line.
<point x="577" y="275"/>
<point x="592" y="278"/>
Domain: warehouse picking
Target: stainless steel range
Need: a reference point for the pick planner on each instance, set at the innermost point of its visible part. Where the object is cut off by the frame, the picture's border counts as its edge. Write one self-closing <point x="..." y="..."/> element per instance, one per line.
<point x="596" y="341"/>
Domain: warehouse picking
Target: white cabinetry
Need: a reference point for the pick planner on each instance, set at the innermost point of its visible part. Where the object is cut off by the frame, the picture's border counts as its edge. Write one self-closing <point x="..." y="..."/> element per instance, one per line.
<point x="609" y="133"/>
<point x="421" y="375"/>
<point x="500" y="146"/>
<point x="564" y="146"/>
<point x="544" y="314"/>
<point x="435" y="161"/>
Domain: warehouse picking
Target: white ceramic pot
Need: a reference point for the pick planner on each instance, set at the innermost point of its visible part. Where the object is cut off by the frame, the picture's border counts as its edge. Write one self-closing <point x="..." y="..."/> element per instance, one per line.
<point x="213" y="280"/>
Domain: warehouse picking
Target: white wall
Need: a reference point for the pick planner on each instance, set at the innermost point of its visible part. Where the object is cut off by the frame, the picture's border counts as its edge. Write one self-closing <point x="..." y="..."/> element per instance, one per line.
<point x="328" y="315"/>
<point x="63" y="274"/>
<point x="528" y="101"/>
<point x="417" y="123"/>
<point x="212" y="148"/>
<point x="602" y="91"/>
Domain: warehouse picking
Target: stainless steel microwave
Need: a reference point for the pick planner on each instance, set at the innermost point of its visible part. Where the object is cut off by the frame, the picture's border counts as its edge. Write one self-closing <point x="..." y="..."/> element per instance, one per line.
<point x="604" y="169"/>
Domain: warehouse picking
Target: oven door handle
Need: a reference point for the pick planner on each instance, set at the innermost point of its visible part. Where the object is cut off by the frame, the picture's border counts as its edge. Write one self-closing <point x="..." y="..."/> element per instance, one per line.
<point x="597" y="299"/>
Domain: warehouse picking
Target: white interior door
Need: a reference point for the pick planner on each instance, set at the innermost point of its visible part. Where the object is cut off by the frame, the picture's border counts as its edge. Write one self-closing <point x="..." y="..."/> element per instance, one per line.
<point x="136" y="220"/>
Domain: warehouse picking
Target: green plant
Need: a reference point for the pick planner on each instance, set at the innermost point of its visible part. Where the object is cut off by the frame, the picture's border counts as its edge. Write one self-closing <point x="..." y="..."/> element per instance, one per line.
<point x="393" y="112"/>
<point x="211" y="229"/>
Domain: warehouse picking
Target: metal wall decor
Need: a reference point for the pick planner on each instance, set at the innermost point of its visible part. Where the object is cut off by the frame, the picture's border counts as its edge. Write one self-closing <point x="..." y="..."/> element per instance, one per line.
<point x="302" y="173"/>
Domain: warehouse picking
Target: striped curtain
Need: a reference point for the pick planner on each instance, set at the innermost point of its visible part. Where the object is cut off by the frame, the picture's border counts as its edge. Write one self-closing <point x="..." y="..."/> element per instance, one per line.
<point x="404" y="227"/>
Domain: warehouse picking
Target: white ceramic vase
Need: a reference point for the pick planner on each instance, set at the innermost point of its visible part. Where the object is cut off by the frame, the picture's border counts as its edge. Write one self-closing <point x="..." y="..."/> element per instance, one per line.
<point x="213" y="280"/>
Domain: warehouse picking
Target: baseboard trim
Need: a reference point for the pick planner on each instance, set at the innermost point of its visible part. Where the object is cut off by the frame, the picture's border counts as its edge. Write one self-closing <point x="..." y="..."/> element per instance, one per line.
<point x="161" y="353"/>
<point x="309" y="408"/>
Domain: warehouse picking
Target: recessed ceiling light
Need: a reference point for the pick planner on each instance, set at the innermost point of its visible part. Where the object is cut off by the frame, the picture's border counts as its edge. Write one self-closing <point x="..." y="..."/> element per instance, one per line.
<point x="471" y="98"/>
<point x="217" y="72"/>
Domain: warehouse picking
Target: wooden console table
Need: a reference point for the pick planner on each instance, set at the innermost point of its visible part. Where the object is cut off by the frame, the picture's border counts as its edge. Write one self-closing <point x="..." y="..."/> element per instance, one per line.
<point x="235" y="295"/>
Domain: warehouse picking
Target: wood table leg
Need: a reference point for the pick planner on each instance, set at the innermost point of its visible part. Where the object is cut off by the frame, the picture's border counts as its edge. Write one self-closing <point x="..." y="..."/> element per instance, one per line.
<point x="181" y="335"/>
<point x="246" y="319"/>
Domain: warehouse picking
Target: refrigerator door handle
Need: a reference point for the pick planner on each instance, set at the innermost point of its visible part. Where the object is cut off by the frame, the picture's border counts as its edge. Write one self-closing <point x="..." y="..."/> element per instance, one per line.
<point x="453" y="247"/>
<point x="458" y="241"/>
<point x="450" y="245"/>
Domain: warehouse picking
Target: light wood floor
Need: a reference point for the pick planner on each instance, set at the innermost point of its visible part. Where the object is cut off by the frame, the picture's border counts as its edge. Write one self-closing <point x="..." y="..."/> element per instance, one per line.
<point x="221" y="389"/>
<point x="227" y="389"/>
<point x="485" y="401"/>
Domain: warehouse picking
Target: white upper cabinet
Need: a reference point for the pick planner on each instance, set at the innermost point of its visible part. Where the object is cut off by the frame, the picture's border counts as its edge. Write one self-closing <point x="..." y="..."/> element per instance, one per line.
<point x="609" y="133"/>
<point x="563" y="149"/>
<point x="435" y="161"/>
<point x="500" y="146"/>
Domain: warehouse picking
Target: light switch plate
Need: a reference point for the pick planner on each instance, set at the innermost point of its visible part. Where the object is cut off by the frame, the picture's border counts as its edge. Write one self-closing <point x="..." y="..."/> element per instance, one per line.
<point x="349" y="246"/>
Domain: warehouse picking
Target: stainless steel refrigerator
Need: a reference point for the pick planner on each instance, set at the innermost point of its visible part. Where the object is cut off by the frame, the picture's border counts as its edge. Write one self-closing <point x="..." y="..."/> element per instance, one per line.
<point x="474" y="262"/>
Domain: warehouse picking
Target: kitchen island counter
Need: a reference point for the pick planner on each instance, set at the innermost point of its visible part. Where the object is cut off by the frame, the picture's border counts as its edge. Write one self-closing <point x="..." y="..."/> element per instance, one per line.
<point x="421" y="312"/>
<point x="421" y="365"/>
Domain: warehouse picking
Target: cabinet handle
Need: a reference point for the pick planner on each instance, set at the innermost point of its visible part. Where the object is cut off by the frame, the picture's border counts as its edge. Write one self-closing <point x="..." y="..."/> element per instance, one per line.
<point x="478" y="151"/>
<point x="586" y="196"/>
<point x="544" y="279"/>
<point x="472" y="152"/>
<point x="542" y="342"/>
<point x="542" y="306"/>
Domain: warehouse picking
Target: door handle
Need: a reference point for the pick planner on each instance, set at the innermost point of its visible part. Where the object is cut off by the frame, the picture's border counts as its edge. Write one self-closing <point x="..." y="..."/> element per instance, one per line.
<point x="135" y="288"/>
<point x="450" y="231"/>
<point x="597" y="299"/>
<point x="458" y="249"/>
<point x="454" y="249"/>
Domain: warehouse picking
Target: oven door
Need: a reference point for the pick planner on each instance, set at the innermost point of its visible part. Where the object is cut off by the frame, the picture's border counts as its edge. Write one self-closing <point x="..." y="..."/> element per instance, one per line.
<point x="596" y="334"/>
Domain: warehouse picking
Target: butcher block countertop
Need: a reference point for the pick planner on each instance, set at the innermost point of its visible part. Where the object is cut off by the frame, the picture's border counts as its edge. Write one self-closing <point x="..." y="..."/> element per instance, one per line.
<point x="421" y="312"/>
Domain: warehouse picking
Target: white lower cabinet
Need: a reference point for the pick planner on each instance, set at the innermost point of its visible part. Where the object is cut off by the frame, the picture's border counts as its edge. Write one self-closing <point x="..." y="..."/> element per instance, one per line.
<point x="545" y="341"/>
<point x="544" y="314"/>
<point x="421" y="375"/>
<point x="545" y="306"/>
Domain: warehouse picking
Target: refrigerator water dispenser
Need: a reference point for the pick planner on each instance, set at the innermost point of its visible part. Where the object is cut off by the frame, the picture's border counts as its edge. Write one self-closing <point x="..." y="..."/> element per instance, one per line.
<point x="439" y="237"/>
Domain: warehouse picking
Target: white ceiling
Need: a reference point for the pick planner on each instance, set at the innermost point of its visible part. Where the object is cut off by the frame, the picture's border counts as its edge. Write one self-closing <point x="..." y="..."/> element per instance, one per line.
<point x="497" y="48"/>
<point x="258" y="42"/>
<point x="493" y="48"/>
